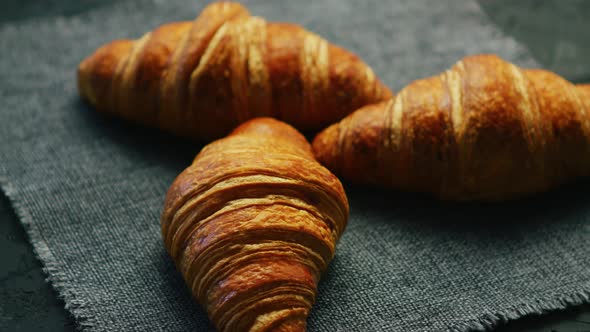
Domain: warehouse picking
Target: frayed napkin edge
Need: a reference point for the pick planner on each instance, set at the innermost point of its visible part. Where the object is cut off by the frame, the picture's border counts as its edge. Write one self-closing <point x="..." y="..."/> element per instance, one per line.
<point x="78" y="308"/>
<point x="489" y="322"/>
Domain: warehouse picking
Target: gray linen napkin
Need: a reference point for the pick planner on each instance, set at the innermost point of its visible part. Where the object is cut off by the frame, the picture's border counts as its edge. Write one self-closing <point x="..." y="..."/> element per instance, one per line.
<point x="89" y="189"/>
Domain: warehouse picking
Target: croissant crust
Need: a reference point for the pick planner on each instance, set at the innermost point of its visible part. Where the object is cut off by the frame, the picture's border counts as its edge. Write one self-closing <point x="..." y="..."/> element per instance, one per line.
<point x="483" y="130"/>
<point x="200" y="79"/>
<point x="252" y="224"/>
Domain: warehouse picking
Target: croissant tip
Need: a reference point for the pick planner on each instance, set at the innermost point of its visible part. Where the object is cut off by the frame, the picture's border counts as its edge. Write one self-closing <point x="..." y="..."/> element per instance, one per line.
<point x="324" y="146"/>
<point x="225" y="6"/>
<point x="83" y="77"/>
<point x="286" y="320"/>
<point x="384" y="92"/>
<point x="387" y="94"/>
<point x="297" y="324"/>
<point x="275" y="128"/>
<point x="84" y="65"/>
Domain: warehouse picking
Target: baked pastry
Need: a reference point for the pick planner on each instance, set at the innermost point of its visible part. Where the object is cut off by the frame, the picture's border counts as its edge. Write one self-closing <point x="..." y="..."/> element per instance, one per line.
<point x="252" y="224"/>
<point x="483" y="130"/>
<point x="200" y="79"/>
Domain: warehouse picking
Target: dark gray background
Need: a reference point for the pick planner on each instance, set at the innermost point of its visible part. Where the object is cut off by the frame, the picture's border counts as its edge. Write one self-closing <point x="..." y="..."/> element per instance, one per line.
<point x="553" y="33"/>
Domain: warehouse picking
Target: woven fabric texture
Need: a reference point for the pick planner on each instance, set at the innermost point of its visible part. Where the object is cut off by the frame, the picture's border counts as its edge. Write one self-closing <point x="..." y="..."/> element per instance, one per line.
<point x="89" y="189"/>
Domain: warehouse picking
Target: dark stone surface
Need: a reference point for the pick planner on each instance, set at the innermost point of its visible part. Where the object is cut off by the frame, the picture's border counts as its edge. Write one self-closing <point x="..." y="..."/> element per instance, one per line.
<point x="27" y="302"/>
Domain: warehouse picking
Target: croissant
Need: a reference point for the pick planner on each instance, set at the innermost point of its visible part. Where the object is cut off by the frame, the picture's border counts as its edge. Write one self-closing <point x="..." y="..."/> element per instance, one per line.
<point x="200" y="79"/>
<point x="252" y="224"/>
<point x="483" y="130"/>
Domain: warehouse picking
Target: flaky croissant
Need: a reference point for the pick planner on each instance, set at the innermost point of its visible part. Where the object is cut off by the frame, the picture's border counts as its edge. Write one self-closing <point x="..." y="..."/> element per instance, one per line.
<point x="200" y="79"/>
<point x="252" y="224"/>
<point x="483" y="130"/>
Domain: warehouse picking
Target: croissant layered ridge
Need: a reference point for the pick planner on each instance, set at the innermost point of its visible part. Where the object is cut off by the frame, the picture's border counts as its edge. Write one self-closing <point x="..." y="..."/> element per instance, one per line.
<point x="483" y="130"/>
<point x="252" y="224"/>
<point x="200" y="79"/>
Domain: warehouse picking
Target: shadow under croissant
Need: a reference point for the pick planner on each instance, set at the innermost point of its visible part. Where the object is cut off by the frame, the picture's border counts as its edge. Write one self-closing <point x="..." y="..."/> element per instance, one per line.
<point x="148" y="144"/>
<point x="489" y="218"/>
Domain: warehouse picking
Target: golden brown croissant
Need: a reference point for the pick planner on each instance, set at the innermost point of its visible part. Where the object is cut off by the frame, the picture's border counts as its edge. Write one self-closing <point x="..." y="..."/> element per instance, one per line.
<point x="483" y="130"/>
<point x="200" y="79"/>
<point x="252" y="224"/>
